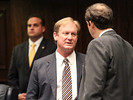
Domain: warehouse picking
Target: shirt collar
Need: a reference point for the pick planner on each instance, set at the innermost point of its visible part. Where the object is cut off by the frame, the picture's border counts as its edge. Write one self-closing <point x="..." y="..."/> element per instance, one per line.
<point x="59" y="57"/>
<point x="37" y="42"/>
<point x="104" y="32"/>
<point x="71" y="57"/>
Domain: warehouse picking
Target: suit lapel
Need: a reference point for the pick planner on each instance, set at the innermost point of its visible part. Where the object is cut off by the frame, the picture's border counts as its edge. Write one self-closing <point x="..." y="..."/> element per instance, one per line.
<point x="25" y="54"/>
<point x="52" y="75"/>
<point x="51" y="70"/>
<point x="40" y="49"/>
<point x="79" y="69"/>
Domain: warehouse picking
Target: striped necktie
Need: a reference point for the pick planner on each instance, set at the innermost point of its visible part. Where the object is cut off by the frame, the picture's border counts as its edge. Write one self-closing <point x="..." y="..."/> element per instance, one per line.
<point x="66" y="82"/>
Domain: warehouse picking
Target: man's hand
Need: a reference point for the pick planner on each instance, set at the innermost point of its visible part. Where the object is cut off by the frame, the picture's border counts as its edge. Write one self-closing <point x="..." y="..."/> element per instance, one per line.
<point x="22" y="96"/>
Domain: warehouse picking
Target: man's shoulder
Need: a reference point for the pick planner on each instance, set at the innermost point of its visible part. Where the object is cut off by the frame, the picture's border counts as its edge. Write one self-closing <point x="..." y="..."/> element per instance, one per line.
<point x="49" y="44"/>
<point x="80" y="55"/>
<point x="106" y="38"/>
<point x="46" y="58"/>
<point x="21" y="45"/>
<point x="48" y="41"/>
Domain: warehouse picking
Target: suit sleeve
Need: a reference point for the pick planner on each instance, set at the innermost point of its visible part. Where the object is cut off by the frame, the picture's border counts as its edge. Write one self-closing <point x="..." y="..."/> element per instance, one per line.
<point x="95" y="70"/>
<point x="13" y="74"/>
<point x="33" y="87"/>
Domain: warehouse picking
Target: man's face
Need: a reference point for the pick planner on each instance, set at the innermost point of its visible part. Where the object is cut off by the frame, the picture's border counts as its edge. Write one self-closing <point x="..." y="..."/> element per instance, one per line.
<point x="34" y="28"/>
<point x="66" y="37"/>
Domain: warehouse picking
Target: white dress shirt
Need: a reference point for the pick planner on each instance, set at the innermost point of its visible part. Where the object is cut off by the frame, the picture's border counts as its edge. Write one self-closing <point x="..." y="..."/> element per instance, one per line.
<point x="60" y="66"/>
<point x="37" y="43"/>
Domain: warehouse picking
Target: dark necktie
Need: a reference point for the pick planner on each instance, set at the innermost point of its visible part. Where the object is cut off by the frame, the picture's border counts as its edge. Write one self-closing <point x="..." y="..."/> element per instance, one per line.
<point x="66" y="82"/>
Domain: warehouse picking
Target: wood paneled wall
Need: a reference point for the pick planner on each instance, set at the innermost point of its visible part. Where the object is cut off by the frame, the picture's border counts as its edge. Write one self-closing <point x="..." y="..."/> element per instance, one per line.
<point x="15" y="12"/>
<point x="4" y="40"/>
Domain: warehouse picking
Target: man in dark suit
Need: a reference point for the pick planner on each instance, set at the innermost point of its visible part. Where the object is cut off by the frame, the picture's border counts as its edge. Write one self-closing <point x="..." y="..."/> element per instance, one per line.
<point x="20" y="68"/>
<point x="46" y="77"/>
<point x="108" y="69"/>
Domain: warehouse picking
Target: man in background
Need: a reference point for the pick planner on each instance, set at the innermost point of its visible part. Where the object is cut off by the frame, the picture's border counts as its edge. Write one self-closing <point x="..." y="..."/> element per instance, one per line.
<point x="108" y="69"/>
<point x="24" y="54"/>
<point x="57" y="76"/>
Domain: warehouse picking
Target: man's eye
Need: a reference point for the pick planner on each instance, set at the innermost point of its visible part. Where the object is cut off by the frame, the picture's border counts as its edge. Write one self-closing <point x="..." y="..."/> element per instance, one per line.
<point x="73" y="34"/>
<point x="36" y="25"/>
<point x="66" y="33"/>
<point x="28" y="25"/>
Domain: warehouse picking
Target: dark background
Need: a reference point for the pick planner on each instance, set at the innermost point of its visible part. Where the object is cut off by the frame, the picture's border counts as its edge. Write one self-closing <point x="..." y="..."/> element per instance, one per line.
<point x="13" y="16"/>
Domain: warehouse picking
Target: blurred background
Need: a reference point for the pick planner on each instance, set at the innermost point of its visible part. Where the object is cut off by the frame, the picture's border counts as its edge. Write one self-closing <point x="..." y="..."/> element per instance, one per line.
<point x="14" y="13"/>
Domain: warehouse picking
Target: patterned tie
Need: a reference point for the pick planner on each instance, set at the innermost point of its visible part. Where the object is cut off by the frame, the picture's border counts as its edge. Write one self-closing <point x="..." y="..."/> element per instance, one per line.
<point x="32" y="54"/>
<point x="66" y="82"/>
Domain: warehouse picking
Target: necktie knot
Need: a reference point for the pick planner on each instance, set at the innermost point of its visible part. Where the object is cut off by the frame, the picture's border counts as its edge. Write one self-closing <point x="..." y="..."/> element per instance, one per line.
<point x="33" y="45"/>
<point x="66" y="61"/>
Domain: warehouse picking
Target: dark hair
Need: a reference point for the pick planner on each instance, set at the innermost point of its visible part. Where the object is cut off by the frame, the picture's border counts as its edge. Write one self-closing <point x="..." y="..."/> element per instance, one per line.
<point x="100" y="14"/>
<point x="38" y="16"/>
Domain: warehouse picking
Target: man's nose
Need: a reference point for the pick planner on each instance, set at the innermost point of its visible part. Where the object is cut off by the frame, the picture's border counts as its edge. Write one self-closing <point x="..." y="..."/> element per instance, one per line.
<point x="70" y="36"/>
<point x="32" y="27"/>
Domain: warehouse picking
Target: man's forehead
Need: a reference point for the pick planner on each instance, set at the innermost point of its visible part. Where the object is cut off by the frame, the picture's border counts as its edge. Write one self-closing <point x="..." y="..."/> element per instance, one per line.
<point x="34" y="20"/>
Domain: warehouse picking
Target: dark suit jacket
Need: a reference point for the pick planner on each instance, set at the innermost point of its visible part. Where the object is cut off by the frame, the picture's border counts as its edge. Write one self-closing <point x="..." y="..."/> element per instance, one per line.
<point x="43" y="80"/>
<point x="19" y="71"/>
<point x="8" y="93"/>
<point x="108" y="71"/>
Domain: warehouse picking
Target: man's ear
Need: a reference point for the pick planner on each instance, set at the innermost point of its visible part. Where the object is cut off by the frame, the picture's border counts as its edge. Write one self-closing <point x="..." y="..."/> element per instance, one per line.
<point x="55" y="36"/>
<point x="89" y="23"/>
<point x="44" y="29"/>
<point x="92" y="24"/>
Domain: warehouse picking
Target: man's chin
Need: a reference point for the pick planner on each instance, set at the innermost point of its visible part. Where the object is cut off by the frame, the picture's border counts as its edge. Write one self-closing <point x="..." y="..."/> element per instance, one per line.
<point x="69" y="48"/>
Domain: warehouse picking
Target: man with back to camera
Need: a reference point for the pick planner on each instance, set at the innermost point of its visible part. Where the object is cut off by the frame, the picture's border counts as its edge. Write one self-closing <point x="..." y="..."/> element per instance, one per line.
<point x="57" y="76"/>
<point x="108" y="69"/>
<point x="21" y="62"/>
